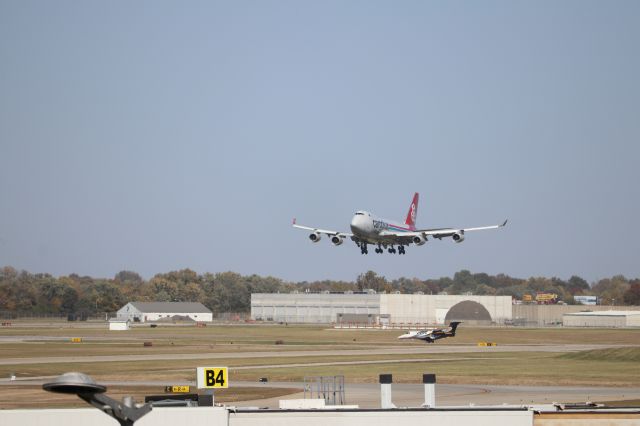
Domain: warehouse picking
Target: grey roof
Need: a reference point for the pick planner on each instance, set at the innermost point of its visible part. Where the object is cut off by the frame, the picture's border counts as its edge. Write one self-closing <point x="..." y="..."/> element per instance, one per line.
<point x="171" y="307"/>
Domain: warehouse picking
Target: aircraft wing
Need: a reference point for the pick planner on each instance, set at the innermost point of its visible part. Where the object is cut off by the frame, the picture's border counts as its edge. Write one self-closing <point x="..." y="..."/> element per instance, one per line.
<point x="436" y="233"/>
<point x="322" y="231"/>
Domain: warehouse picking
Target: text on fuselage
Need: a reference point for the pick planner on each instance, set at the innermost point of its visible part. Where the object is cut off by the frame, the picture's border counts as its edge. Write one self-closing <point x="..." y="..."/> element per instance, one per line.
<point x="379" y="225"/>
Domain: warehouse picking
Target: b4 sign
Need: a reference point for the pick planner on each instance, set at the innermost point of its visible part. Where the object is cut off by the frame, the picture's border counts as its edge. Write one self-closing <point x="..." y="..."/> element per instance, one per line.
<point x="212" y="377"/>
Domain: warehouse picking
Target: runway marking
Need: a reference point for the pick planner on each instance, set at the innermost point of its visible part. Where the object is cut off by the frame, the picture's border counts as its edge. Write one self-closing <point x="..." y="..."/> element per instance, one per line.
<point x="382" y="361"/>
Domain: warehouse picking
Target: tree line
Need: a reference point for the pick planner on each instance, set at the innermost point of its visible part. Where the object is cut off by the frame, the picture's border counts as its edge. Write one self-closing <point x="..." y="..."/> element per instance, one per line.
<point x="41" y="293"/>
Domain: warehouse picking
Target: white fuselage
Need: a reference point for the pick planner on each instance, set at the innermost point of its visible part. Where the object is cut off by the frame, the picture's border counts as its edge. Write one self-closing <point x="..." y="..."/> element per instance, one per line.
<point x="368" y="227"/>
<point x="416" y="334"/>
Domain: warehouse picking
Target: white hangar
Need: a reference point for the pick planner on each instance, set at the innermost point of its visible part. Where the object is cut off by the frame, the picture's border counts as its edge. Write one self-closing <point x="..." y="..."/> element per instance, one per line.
<point x="372" y="308"/>
<point x="154" y="311"/>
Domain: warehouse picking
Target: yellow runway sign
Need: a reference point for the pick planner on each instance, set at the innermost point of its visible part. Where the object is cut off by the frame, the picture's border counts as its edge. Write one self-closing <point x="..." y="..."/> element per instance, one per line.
<point x="177" y="389"/>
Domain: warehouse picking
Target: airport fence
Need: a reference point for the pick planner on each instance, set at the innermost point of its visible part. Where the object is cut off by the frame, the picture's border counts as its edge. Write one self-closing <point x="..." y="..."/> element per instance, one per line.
<point x="232" y="317"/>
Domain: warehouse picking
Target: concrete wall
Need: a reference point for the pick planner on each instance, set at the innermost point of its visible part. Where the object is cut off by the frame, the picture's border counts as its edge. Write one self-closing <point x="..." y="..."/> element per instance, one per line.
<point x="601" y="320"/>
<point x="219" y="416"/>
<point x="216" y="416"/>
<point x="593" y="321"/>
<point x="417" y="308"/>
<point x="311" y="307"/>
<point x="383" y="418"/>
<point x="211" y="416"/>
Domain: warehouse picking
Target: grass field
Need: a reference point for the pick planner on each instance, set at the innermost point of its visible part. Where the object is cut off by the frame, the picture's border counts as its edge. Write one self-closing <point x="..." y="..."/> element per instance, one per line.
<point x="602" y="367"/>
<point x="609" y="355"/>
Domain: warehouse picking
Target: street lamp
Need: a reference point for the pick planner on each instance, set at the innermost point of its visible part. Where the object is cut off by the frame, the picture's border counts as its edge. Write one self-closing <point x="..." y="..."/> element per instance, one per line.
<point x="125" y="412"/>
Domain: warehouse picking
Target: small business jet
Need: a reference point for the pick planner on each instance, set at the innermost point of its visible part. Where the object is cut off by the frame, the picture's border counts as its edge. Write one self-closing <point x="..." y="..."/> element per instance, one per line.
<point x="386" y="234"/>
<point x="430" y="336"/>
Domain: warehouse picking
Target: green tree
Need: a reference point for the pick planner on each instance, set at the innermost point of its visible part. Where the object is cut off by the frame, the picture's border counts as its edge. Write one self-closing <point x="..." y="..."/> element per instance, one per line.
<point x="231" y="294"/>
<point x="371" y="280"/>
<point x="632" y="295"/>
<point x="483" y="289"/>
<point x="611" y="290"/>
<point x="577" y="285"/>
<point x="69" y="300"/>
<point x="463" y="282"/>
<point x="128" y="277"/>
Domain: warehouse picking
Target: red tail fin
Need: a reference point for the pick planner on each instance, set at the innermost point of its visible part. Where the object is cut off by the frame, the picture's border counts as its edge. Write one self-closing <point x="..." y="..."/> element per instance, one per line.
<point x="413" y="212"/>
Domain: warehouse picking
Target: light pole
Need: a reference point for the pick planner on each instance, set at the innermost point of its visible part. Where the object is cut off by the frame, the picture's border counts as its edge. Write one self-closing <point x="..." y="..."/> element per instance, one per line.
<point x="125" y="412"/>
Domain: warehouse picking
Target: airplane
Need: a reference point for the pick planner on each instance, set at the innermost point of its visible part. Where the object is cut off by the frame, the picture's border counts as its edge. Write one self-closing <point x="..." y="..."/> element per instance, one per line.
<point x="430" y="336"/>
<point x="368" y="229"/>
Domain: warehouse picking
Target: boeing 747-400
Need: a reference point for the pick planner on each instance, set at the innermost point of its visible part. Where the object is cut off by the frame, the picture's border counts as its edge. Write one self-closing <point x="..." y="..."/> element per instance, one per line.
<point x="386" y="234"/>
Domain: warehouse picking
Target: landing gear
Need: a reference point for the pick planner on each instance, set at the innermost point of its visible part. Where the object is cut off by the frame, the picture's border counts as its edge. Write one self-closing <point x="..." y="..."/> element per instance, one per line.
<point x="381" y="248"/>
<point x="363" y="248"/>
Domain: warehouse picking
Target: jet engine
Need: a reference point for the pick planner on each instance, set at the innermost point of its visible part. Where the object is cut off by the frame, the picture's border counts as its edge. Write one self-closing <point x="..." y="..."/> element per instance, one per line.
<point x="419" y="240"/>
<point x="315" y="236"/>
<point x="337" y="240"/>
<point x="458" y="237"/>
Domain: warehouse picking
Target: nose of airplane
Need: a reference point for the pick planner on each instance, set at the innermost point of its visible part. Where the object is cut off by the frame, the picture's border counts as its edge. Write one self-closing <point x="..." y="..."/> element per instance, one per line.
<point x="356" y="222"/>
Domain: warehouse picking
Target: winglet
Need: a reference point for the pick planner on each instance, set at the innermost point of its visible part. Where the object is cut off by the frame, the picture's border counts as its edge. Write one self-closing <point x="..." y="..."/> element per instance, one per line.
<point x="294" y="221"/>
<point x="503" y="224"/>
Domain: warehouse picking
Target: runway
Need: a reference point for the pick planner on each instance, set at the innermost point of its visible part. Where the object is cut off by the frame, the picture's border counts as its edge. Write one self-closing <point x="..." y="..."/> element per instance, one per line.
<point x="395" y="350"/>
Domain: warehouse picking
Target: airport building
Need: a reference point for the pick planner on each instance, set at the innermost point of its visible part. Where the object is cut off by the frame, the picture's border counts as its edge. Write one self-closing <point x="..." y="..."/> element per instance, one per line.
<point x="602" y="319"/>
<point x="553" y="315"/>
<point x="154" y="311"/>
<point x="381" y="309"/>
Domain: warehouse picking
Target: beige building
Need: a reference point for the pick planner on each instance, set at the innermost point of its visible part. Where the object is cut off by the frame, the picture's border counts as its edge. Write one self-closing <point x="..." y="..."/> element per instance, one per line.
<point x="552" y="315"/>
<point x="372" y="308"/>
<point x="602" y="319"/>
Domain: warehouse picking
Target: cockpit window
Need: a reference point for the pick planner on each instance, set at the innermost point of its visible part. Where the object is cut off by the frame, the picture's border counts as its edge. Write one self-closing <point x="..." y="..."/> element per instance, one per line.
<point x="359" y="213"/>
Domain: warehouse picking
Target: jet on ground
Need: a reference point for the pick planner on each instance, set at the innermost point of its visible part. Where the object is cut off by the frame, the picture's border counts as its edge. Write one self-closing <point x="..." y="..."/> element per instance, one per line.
<point x="386" y="234"/>
<point x="430" y="336"/>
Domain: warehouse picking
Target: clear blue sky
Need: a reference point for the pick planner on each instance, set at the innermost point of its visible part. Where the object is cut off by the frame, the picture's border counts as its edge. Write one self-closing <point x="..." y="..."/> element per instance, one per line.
<point x="154" y="135"/>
